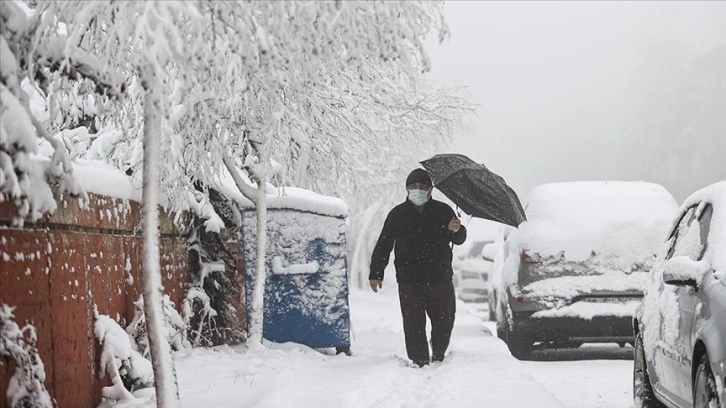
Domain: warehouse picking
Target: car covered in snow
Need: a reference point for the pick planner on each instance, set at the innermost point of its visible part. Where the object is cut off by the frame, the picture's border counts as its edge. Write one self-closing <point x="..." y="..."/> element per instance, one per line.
<point x="471" y="272"/>
<point x="576" y="270"/>
<point x="680" y="327"/>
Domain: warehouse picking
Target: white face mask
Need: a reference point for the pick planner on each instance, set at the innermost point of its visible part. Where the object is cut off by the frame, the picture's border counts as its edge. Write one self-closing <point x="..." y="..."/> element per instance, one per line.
<point x="418" y="197"/>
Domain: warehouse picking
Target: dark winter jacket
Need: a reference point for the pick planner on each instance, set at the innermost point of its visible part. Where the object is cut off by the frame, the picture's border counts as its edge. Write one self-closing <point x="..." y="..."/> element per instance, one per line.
<point x="421" y="243"/>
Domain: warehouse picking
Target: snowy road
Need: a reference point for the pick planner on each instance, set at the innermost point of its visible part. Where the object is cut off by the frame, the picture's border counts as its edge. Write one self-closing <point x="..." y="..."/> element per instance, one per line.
<point x="592" y="376"/>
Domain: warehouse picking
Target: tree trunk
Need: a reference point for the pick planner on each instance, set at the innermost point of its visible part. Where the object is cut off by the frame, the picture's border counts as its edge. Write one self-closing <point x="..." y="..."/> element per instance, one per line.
<point x="258" y="294"/>
<point x="167" y="394"/>
<point x="258" y="196"/>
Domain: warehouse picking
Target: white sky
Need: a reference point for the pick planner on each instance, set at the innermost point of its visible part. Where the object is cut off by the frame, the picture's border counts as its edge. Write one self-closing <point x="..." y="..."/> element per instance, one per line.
<point x="554" y="84"/>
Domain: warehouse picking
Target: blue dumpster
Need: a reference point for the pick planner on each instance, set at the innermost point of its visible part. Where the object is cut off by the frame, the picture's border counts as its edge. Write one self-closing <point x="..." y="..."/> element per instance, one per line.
<point x="306" y="291"/>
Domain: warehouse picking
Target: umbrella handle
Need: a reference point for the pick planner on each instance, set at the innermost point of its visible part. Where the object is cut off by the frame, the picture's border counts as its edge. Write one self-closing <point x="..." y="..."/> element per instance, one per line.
<point x="458" y="214"/>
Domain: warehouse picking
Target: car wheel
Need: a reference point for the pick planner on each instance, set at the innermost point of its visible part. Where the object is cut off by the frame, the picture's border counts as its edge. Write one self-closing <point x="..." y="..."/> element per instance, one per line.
<point x="705" y="394"/>
<point x="643" y="396"/>
<point x="520" y="348"/>
<point x="519" y="345"/>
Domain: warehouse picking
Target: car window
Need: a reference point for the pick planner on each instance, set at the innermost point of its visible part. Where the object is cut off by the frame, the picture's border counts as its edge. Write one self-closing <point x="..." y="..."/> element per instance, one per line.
<point x="688" y="237"/>
<point x="705" y="222"/>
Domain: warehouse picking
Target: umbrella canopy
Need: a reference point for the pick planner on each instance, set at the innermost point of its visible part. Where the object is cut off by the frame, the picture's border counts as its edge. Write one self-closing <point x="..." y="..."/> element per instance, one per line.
<point x="475" y="189"/>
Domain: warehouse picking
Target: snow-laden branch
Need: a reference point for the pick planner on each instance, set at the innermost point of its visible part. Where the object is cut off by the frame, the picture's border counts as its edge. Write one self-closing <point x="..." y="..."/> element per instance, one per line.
<point x="248" y="191"/>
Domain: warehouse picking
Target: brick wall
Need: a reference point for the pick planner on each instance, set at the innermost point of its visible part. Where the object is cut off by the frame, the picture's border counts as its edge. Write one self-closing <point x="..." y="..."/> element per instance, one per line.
<point x="56" y="271"/>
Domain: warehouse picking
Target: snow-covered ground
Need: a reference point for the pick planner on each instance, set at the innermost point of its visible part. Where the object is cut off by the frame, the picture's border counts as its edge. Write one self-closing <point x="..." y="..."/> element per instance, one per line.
<point x="478" y="372"/>
<point x="592" y="376"/>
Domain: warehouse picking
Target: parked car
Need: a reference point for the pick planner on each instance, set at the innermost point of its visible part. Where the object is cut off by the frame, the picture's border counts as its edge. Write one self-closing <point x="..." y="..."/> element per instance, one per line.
<point x="576" y="270"/>
<point x="680" y="327"/>
<point x="471" y="272"/>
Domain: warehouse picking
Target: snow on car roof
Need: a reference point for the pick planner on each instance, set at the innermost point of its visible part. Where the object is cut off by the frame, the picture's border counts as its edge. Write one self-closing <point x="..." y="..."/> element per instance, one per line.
<point x="605" y="217"/>
<point x="714" y="194"/>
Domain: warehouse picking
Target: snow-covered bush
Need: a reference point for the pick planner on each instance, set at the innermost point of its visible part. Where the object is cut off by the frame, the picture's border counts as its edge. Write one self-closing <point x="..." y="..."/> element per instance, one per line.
<point x="26" y="388"/>
<point x="120" y="361"/>
<point x="212" y="308"/>
<point x="174" y="327"/>
<point x="199" y="315"/>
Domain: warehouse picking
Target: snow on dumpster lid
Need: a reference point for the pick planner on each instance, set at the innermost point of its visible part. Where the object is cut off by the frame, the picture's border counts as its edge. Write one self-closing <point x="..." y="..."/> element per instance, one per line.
<point x="605" y="217"/>
<point x="288" y="198"/>
<point x="714" y="194"/>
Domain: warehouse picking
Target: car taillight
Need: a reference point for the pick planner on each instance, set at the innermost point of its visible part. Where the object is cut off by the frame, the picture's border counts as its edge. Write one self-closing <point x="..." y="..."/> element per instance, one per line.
<point x="529" y="257"/>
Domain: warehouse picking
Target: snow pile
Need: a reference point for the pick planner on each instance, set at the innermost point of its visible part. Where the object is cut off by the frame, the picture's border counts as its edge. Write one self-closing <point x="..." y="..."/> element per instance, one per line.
<point x="26" y="388"/>
<point x="625" y="219"/>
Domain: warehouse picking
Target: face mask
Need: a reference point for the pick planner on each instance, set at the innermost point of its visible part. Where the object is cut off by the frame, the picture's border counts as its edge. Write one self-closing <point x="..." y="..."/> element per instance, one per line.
<point x="418" y="197"/>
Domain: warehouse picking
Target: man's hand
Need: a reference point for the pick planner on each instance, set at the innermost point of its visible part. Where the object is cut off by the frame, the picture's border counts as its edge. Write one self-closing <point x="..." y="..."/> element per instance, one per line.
<point x="454" y="224"/>
<point x="376" y="284"/>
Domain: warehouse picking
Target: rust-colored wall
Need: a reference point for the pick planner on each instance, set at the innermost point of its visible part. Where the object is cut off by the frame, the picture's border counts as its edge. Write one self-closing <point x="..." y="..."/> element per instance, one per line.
<point x="56" y="271"/>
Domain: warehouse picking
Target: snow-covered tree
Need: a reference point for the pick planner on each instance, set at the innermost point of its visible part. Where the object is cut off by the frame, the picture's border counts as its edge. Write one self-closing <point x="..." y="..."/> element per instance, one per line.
<point x="25" y="182"/>
<point x="146" y="42"/>
<point x="326" y="89"/>
<point x="323" y="88"/>
<point x="27" y="385"/>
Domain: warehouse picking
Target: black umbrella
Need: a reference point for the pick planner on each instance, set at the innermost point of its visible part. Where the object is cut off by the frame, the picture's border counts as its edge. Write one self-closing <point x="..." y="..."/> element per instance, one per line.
<point x="475" y="189"/>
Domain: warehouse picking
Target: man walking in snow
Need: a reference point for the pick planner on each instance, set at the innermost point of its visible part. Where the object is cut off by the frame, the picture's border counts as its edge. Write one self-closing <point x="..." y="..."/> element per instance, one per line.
<point x="421" y="230"/>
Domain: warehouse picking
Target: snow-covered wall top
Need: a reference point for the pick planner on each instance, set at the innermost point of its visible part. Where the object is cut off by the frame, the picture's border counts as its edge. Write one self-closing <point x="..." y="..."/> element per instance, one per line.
<point x="605" y="217"/>
<point x="714" y="194"/>
<point x="288" y="198"/>
<point x="101" y="178"/>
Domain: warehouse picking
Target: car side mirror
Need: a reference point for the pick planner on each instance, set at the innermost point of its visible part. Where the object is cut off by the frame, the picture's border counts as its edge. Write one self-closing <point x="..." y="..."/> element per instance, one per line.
<point x="684" y="271"/>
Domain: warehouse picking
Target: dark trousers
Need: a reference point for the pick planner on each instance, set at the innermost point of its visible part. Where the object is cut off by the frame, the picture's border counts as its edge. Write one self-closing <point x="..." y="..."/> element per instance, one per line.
<point x="438" y="301"/>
